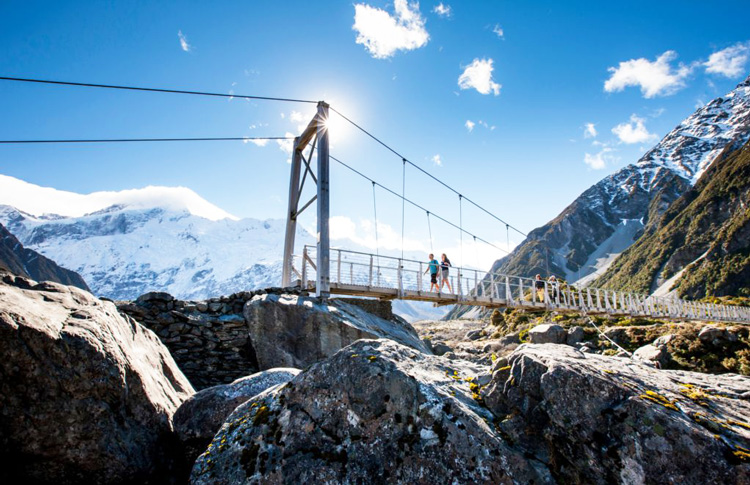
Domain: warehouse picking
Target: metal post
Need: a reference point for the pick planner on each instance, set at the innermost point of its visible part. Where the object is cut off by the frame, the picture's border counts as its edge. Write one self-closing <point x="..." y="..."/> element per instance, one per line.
<point x="291" y="216"/>
<point x="323" y="286"/>
<point x="369" y="278"/>
<point x="304" y="268"/>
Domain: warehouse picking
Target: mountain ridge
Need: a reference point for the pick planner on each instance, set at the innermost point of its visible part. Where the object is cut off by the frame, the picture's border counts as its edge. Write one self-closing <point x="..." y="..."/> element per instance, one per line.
<point x="30" y="264"/>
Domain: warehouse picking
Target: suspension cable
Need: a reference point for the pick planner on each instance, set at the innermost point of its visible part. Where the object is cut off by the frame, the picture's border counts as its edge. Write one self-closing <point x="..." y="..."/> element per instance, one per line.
<point x="393" y="192"/>
<point x="127" y="140"/>
<point x="156" y="90"/>
<point x="375" y="210"/>
<point x="461" y="226"/>
<point x="403" y="205"/>
<point x="429" y="228"/>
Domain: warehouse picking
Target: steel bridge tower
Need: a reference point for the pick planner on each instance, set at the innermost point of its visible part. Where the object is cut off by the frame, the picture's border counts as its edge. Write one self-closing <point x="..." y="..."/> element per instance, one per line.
<point x="316" y="133"/>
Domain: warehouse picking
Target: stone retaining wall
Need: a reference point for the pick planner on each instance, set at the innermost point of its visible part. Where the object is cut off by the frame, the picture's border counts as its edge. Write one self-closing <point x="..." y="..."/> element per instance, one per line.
<point x="209" y="339"/>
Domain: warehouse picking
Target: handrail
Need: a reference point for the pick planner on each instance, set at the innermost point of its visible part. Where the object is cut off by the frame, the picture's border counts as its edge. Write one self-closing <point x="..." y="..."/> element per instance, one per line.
<point x="358" y="272"/>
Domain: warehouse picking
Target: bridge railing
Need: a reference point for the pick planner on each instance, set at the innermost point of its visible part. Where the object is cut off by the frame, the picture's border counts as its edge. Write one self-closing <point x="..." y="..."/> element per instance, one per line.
<point x="375" y="274"/>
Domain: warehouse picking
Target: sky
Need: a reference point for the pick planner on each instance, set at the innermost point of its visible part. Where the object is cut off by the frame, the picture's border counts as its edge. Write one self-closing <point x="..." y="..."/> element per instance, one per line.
<point x="520" y="106"/>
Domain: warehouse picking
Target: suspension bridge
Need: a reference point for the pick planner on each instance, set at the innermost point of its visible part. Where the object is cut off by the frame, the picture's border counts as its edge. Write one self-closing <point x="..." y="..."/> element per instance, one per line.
<point x="326" y="271"/>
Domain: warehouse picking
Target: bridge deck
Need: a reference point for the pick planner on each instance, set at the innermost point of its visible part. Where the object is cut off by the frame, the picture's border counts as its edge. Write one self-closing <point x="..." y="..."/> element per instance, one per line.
<point x="368" y="275"/>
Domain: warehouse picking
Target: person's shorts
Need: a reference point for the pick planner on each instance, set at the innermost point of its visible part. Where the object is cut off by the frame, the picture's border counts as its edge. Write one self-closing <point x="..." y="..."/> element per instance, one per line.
<point x="433" y="278"/>
<point x="445" y="275"/>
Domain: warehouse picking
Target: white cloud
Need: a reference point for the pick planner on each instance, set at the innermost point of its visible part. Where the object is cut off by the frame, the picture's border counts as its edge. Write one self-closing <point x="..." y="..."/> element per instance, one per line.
<point x="287" y="146"/>
<point x="383" y="35"/>
<point x="729" y="62"/>
<point x="656" y="78"/>
<point x="469" y="125"/>
<point x="183" y="41"/>
<point x="599" y="161"/>
<point x="38" y="200"/>
<point x="478" y="75"/>
<point x="260" y="143"/>
<point x="296" y="117"/>
<point x="443" y="10"/>
<point x="589" y="130"/>
<point x="634" y="131"/>
<point x="437" y="160"/>
<point x="498" y="31"/>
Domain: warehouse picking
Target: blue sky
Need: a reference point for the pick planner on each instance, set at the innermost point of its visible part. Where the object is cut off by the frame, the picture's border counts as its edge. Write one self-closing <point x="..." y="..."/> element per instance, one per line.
<point x="576" y="91"/>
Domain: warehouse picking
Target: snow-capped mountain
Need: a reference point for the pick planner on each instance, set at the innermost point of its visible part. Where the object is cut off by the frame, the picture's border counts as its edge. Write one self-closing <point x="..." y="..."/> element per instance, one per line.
<point x="157" y="238"/>
<point x="123" y="252"/>
<point x="607" y="218"/>
<point x="127" y="243"/>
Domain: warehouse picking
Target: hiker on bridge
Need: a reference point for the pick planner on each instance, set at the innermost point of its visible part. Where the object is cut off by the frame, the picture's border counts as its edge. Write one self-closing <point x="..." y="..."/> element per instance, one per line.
<point x="433" y="269"/>
<point x="445" y="263"/>
<point x="552" y="285"/>
<point x="539" y="285"/>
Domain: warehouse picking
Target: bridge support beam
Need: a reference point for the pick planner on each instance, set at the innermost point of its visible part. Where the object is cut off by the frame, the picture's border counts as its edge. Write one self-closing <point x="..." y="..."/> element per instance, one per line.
<point x="323" y="284"/>
<point x="291" y="218"/>
<point x="315" y="133"/>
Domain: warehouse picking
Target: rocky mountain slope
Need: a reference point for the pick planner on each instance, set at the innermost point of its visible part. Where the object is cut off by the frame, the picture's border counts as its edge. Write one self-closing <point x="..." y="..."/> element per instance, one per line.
<point x="701" y="245"/>
<point x="30" y="264"/>
<point x="607" y="218"/>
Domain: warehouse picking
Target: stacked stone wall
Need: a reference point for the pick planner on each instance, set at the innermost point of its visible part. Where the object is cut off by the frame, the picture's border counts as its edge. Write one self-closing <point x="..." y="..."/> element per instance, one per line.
<point x="209" y="339"/>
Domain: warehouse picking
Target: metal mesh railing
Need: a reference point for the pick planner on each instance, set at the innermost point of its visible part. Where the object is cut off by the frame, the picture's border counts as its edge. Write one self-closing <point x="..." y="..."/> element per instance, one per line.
<point x="374" y="274"/>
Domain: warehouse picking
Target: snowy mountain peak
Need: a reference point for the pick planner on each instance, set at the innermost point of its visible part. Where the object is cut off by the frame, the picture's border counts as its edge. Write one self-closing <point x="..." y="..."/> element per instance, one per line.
<point x="45" y="201"/>
<point x="690" y="148"/>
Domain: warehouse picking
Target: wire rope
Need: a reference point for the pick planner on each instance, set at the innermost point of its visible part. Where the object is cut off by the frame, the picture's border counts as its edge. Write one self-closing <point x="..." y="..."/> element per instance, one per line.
<point x="403" y="206"/>
<point x="393" y="192"/>
<point x="375" y="211"/>
<point x="429" y="228"/>
<point x="130" y="140"/>
<point x="156" y="90"/>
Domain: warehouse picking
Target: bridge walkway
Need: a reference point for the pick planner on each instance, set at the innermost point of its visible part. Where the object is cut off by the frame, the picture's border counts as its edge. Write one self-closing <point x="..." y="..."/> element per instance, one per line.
<point x="356" y="273"/>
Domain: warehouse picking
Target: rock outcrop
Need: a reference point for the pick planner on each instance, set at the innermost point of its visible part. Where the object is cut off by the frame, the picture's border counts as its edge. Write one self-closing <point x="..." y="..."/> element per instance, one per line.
<point x="597" y="419"/>
<point x="199" y="418"/>
<point x="30" y="264"/>
<point x="296" y="331"/>
<point x="86" y="396"/>
<point x="376" y="412"/>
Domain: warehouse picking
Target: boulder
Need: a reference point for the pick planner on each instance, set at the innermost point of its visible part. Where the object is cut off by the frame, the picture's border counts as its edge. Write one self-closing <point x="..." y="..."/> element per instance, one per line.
<point x="86" y="395"/>
<point x="199" y="418"/>
<point x="658" y="356"/>
<point x="575" y="335"/>
<point x="440" y="348"/>
<point x="712" y="334"/>
<point x="474" y="334"/>
<point x="376" y="412"/>
<point x="548" y="333"/>
<point x="664" y="340"/>
<point x="297" y="331"/>
<point x="596" y="419"/>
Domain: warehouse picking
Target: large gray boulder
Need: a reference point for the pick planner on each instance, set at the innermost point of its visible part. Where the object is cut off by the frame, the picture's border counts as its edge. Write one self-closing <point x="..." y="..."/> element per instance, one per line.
<point x="596" y="419"/>
<point x="86" y="396"/>
<point x="297" y="331"/>
<point x="200" y="417"/>
<point x="658" y="355"/>
<point x="376" y="412"/>
<point x="548" y="333"/>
